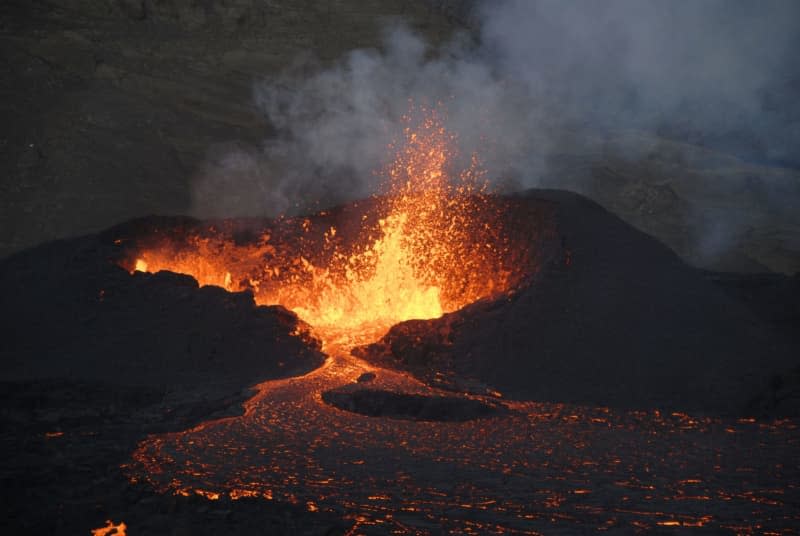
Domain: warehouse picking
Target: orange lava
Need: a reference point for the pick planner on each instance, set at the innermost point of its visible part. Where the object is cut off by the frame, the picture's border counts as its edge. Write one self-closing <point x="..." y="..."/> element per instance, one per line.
<point x="110" y="529"/>
<point x="427" y="247"/>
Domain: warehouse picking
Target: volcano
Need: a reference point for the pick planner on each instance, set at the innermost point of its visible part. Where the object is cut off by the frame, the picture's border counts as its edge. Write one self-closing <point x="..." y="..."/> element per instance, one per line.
<point x="597" y="333"/>
<point x="367" y="326"/>
<point x="417" y="361"/>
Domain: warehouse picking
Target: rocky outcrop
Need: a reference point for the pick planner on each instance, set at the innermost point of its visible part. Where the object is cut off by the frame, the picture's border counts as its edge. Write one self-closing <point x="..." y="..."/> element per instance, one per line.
<point x="69" y="312"/>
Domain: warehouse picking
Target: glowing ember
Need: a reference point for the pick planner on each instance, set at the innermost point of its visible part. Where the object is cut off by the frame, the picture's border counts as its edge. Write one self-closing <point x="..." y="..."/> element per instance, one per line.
<point x="424" y="249"/>
<point x="110" y="529"/>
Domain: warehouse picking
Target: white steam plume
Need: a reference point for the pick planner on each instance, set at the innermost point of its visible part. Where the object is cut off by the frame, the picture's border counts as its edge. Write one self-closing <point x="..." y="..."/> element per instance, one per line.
<point x="533" y="76"/>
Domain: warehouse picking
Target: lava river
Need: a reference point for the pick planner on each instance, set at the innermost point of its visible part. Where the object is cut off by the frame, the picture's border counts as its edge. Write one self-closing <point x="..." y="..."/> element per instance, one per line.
<point x="536" y="468"/>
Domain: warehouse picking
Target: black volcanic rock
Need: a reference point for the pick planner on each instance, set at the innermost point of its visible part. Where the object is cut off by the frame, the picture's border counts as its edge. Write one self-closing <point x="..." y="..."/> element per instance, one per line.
<point x="380" y="403"/>
<point x="366" y="377"/>
<point x="774" y="298"/>
<point x="70" y="313"/>
<point x="613" y="317"/>
<point x="781" y="397"/>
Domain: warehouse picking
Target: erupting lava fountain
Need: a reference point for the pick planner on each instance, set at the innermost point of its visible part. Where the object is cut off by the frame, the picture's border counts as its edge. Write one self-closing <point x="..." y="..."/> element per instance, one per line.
<point x="432" y="244"/>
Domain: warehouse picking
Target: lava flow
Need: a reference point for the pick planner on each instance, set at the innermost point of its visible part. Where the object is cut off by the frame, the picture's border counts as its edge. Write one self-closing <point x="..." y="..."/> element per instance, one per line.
<point x="429" y="246"/>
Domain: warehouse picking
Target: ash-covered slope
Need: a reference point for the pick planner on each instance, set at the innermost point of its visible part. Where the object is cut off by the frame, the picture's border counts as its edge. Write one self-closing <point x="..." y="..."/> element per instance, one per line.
<point x="69" y="312"/>
<point x="612" y="318"/>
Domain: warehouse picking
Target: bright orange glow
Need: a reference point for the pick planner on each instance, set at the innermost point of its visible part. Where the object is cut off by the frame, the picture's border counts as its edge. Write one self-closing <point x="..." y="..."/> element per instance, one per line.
<point x="110" y="529"/>
<point x="427" y="247"/>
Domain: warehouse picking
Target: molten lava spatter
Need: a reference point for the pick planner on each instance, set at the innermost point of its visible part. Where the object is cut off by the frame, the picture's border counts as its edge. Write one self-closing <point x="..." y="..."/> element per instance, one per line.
<point x="427" y="247"/>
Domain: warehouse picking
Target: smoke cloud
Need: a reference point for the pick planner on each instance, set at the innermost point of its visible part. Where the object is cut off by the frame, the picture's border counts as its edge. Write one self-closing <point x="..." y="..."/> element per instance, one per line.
<point x="530" y="78"/>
